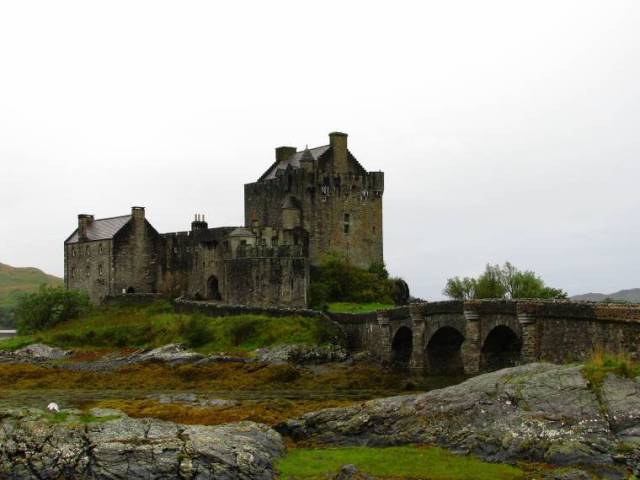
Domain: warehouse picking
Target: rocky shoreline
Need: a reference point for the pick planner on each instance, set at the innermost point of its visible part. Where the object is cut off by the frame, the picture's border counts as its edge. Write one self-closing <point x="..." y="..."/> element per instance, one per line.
<point x="537" y="412"/>
<point x="106" y="444"/>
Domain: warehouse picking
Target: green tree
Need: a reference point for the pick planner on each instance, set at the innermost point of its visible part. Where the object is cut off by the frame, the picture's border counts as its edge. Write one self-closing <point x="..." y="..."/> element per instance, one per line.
<point x="47" y="307"/>
<point x="501" y="282"/>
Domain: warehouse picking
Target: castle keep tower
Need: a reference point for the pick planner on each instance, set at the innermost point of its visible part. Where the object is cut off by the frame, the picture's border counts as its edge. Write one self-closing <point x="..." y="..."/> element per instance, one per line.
<point x="326" y="192"/>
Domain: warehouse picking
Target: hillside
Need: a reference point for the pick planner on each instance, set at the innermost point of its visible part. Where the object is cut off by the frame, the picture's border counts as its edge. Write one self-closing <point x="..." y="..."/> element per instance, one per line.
<point x="632" y="295"/>
<point x="15" y="281"/>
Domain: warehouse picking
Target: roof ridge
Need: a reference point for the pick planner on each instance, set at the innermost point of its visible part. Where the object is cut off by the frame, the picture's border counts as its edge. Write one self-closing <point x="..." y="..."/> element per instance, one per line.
<point x="111" y="218"/>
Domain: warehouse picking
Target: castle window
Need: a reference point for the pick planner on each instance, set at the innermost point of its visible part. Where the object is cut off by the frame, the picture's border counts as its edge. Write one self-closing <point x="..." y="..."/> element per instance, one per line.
<point x="88" y="271"/>
<point x="73" y="272"/>
<point x="347" y="223"/>
<point x="100" y="249"/>
<point x="100" y="270"/>
<point x="73" y="252"/>
<point x="87" y="251"/>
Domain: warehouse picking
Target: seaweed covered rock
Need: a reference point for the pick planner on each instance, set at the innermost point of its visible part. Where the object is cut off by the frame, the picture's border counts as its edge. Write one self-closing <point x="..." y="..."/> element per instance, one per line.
<point x="110" y="445"/>
<point x="537" y="412"/>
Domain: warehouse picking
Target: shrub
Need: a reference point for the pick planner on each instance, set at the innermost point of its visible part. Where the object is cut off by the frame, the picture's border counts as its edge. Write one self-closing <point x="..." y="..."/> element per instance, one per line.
<point x="196" y="331"/>
<point x="48" y="307"/>
<point x="338" y="280"/>
<point x="242" y="329"/>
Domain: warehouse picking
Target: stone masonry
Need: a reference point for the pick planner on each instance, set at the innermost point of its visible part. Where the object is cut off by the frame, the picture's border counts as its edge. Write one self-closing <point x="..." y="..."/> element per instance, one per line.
<point x="307" y="204"/>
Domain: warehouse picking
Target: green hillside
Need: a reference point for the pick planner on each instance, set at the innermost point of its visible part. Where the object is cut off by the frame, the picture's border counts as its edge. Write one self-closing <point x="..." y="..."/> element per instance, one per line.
<point x="15" y="281"/>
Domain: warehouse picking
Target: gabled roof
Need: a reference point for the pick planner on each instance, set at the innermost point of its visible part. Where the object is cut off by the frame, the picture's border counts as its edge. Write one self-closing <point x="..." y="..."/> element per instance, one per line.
<point x="294" y="161"/>
<point x="102" y="229"/>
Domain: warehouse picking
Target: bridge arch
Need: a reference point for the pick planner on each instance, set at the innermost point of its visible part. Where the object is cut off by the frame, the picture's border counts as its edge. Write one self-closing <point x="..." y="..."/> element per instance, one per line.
<point x="501" y="348"/>
<point x="443" y="354"/>
<point x="402" y="346"/>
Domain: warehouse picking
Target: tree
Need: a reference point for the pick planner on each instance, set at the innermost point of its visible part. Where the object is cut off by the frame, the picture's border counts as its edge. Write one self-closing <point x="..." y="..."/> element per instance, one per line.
<point x="47" y="307"/>
<point x="501" y="282"/>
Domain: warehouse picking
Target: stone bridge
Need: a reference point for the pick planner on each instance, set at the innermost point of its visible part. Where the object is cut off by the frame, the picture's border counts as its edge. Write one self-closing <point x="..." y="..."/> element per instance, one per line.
<point x="455" y="337"/>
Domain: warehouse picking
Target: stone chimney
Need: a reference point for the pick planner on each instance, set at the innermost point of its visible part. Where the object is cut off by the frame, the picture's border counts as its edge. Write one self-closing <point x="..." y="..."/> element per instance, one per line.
<point x="137" y="216"/>
<point x="338" y="142"/>
<point x="199" y="223"/>
<point x="84" y="220"/>
<point x="283" y="153"/>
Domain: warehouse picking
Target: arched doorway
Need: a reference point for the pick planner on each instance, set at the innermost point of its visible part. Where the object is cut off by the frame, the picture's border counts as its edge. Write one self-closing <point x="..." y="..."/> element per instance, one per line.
<point x="500" y="349"/>
<point x="443" y="353"/>
<point x="131" y="290"/>
<point x="402" y="347"/>
<point x="213" y="289"/>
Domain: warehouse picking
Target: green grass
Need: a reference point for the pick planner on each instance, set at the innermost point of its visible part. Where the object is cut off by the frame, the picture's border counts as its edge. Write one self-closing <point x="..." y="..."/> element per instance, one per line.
<point x="601" y="364"/>
<point x="396" y="462"/>
<point x="158" y="324"/>
<point x="347" y="307"/>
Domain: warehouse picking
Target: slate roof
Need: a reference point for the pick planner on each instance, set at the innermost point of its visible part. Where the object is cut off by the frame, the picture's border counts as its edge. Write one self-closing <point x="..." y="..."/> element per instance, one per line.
<point x="294" y="161"/>
<point x="102" y="228"/>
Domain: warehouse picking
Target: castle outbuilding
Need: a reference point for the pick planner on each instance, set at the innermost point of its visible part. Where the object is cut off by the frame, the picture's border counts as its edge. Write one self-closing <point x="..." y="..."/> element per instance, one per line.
<point x="307" y="204"/>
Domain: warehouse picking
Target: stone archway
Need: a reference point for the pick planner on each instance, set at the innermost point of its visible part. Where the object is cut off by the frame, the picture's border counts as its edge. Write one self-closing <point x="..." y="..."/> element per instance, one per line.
<point x="213" y="288"/>
<point x="402" y="347"/>
<point x="501" y="349"/>
<point x="443" y="352"/>
<point x="131" y="290"/>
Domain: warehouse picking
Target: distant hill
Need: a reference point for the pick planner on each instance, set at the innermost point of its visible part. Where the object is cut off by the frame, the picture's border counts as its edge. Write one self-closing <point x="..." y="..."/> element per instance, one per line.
<point x="15" y="280"/>
<point x="632" y="295"/>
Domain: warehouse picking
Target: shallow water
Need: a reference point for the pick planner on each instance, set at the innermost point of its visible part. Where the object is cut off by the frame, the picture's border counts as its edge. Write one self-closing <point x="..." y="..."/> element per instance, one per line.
<point x="76" y="398"/>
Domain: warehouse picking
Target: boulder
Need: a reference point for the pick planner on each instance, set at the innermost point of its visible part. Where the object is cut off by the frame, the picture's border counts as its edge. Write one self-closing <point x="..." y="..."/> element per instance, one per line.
<point x="37" y="445"/>
<point x="301" y="354"/>
<point x="536" y="412"/>
<point x="173" y="353"/>
<point x="41" y="352"/>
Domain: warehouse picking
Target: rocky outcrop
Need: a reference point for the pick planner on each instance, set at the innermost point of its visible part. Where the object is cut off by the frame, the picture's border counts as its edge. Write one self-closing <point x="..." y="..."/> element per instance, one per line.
<point x="301" y="354"/>
<point x="34" y="353"/>
<point x="109" y="445"/>
<point x="537" y="412"/>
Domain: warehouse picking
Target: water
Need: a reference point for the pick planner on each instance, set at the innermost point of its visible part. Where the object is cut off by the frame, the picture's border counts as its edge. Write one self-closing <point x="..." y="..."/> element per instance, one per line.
<point x="76" y="398"/>
<point x="4" y="334"/>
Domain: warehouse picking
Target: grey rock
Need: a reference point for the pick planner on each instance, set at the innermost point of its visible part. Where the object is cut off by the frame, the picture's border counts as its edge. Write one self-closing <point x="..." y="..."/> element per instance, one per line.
<point x="350" y="472"/>
<point x="301" y="354"/>
<point x="40" y="351"/>
<point x="172" y="353"/>
<point x="35" y="447"/>
<point x="193" y="399"/>
<point x="538" y="412"/>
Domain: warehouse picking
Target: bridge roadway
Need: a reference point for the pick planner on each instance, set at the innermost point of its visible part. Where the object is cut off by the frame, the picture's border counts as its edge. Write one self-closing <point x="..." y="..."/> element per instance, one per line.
<point x="454" y="337"/>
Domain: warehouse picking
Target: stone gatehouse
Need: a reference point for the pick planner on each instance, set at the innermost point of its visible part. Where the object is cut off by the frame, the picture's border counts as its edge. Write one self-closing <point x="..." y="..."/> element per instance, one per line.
<point x="308" y="203"/>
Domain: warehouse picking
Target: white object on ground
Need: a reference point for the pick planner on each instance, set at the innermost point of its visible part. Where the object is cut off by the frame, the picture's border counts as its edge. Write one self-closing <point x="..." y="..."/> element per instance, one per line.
<point x="53" y="407"/>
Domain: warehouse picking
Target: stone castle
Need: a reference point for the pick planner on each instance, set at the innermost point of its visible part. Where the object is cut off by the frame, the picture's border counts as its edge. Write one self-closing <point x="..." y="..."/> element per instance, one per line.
<point x="307" y="204"/>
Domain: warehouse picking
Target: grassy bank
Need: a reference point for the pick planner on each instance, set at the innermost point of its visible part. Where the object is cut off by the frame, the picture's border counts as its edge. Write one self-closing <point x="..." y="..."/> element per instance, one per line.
<point x="348" y="307"/>
<point x="158" y="324"/>
<point x="601" y="364"/>
<point x="392" y="462"/>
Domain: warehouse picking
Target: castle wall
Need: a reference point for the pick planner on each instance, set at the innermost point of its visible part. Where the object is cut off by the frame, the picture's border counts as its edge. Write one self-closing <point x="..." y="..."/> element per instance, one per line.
<point x="89" y="268"/>
<point x="136" y="253"/>
<point x="264" y="281"/>
<point x="341" y="212"/>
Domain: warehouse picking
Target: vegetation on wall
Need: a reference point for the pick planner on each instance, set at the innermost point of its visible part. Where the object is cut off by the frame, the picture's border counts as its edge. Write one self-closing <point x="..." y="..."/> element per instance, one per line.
<point x="501" y="282"/>
<point x="48" y="307"/>
<point x="337" y="280"/>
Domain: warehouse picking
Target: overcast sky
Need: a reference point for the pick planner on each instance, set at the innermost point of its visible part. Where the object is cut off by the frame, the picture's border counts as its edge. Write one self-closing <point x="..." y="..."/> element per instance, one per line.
<point x="507" y="130"/>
